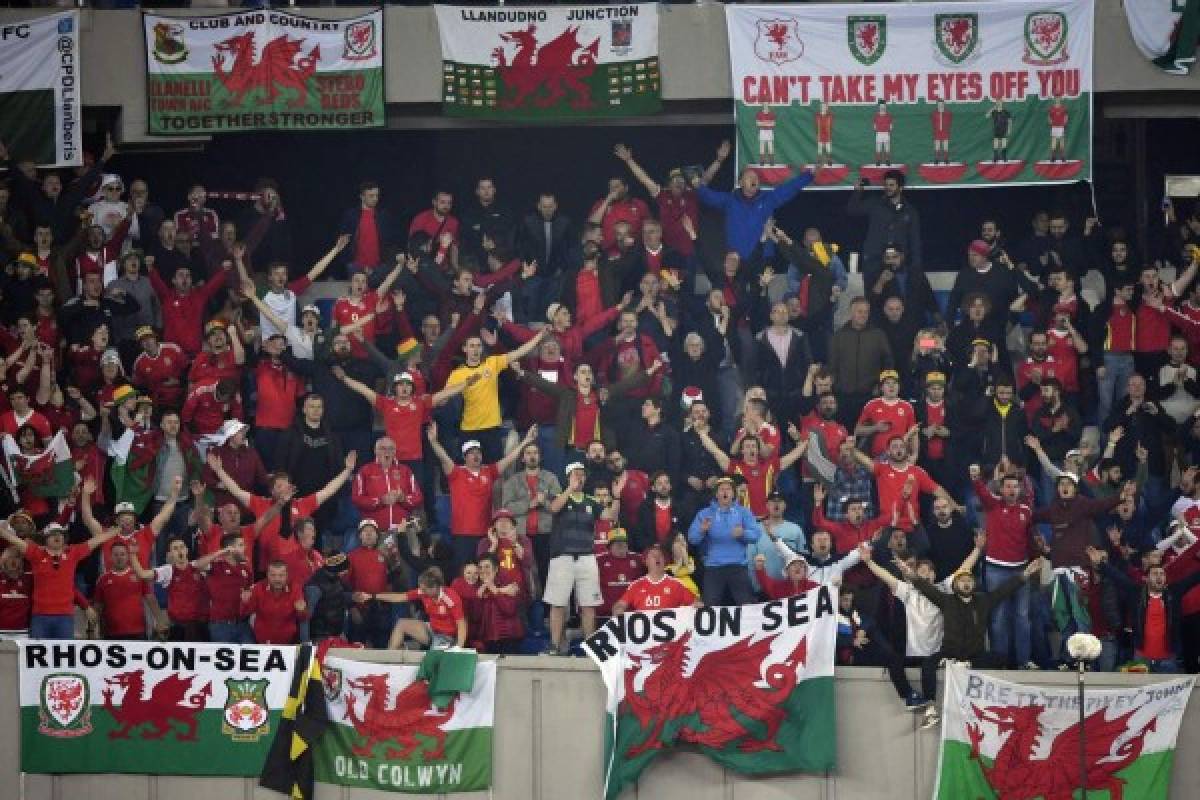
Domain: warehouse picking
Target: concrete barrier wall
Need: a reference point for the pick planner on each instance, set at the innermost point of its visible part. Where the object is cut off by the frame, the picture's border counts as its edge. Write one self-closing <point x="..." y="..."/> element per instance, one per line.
<point x="693" y="47"/>
<point x="548" y="746"/>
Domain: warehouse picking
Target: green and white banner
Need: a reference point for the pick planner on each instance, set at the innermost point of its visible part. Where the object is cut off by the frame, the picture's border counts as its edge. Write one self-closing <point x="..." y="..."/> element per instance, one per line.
<point x="40" y="91"/>
<point x="150" y="709"/>
<point x="262" y="70"/>
<point x="1166" y="31"/>
<point x="750" y="686"/>
<point x="387" y="733"/>
<point x="548" y="63"/>
<point x="951" y="94"/>
<point x="1002" y="739"/>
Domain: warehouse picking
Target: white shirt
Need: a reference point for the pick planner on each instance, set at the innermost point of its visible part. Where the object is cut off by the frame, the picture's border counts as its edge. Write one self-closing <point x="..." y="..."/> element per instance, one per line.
<point x="923" y="623"/>
<point x="283" y="304"/>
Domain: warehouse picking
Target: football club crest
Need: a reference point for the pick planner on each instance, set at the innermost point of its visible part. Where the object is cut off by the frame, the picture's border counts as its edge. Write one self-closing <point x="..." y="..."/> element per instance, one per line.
<point x="360" y="40"/>
<point x="956" y="36"/>
<point x="778" y="40"/>
<point x="66" y="706"/>
<point x="245" y="718"/>
<point x="622" y="34"/>
<point x="332" y="679"/>
<point x="169" y="47"/>
<point x="867" y="38"/>
<point x="1045" y="38"/>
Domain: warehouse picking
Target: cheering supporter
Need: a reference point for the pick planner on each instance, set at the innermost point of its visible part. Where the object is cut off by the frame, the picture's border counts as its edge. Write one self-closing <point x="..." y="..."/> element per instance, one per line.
<point x="370" y="621"/>
<point x="656" y="589"/>
<point x="618" y="569"/>
<point x="722" y="532"/>
<point x="276" y="605"/>
<point x="122" y="598"/>
<point x="385" y="490"/>
<point x="184" y="582"/>
<point x="227" y="580"/>
<point x="572" y="569"/>
<point x="500" y="601"/>
<point x="446" y="625"/>
<point x="53" y="565"/>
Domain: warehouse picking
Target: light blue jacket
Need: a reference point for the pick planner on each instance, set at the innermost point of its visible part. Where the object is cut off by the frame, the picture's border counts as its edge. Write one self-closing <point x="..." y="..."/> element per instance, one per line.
<point x="719" y="546"/>
<point x="790" y="534"/>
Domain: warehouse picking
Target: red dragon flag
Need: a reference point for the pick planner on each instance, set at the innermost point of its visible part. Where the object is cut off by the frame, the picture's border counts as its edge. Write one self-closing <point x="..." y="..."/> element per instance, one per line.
<point x="750" y="686"/>
<point x="547" y="63"/>
<point x="388" y="731"/>
<point x="1002" y="739"/>
<point x="262" y="69"/>
<point x="47" y="473"/>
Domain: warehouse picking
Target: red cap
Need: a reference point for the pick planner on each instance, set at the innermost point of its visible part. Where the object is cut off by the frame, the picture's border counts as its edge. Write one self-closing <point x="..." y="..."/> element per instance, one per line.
<point x="503" y="513"/>
<point x="980" y="248"/>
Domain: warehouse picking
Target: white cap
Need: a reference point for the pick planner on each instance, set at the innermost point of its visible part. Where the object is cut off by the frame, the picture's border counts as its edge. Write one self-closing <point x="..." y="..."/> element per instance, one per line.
<point x="364" y="523"/>
<point x="54" y="527"/>
<point x="125" y="508"/>
<point x="311" y="307"/>
<point x="574" y="465"/>
<point x="470" y="444"/>
<point x="231" y="427"/>
<point x="404" y="376"/>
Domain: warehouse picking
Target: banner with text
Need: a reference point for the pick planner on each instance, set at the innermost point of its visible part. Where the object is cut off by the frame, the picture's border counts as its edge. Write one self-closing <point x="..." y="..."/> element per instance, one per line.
<point x="1002" y="739"/>
<point x="262" y="70"/>
<point x="150" y="709"/>
<point x="40" y="90"/>
<point x="550" y="63"/>
<point x="750" y="686"/>
<point x="388" y="734"/>
<point x="950" y="94"/>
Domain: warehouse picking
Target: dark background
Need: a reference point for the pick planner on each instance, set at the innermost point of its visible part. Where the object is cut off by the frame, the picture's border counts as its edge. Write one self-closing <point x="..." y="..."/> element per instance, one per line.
<point x="319" y="173"/>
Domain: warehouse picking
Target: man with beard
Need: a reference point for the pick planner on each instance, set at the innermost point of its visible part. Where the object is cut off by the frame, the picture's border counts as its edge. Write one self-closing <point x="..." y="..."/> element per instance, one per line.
<point x="1004" y="426"/>
<point x="824" y="435"/>
<point x="891" y="220"/>
<point x="1037" y="368"/>
<point x="909" y="286"/>
<point x="999" y="281"/>
<point x="700" y="469"/>
<point x="527" y="494"/>
<point x="630" y="486"/>
<point x="159" y="369"/>
<point x="858" y="353"/>
<point x="657" y="447"/>
<point x="950" y="538"/>
<point x="933" y="420"/>
<point x="349" y="416"/>
<point x="1056" y="425"/>
<point x="617" y="207"/>
<point x="658" y="520"/>
<point x="656" y="589"/>
<point x="183" y="305"/>
<point x="93" y="307"/>
<point x="965" y="613"/>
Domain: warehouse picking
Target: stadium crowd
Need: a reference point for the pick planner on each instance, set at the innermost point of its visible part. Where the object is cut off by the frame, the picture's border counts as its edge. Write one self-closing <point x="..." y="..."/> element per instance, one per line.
<point x="506" y="414"/>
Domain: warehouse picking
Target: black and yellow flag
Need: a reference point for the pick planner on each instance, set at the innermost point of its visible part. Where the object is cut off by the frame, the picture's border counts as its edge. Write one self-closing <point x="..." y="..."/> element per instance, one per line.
<point x="289" y="765"/>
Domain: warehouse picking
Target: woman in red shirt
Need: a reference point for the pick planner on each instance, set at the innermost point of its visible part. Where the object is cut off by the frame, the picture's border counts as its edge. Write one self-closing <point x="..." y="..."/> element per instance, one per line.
<point x="499" y="608"/>
<point x="368" y="575"/>
<point x="467" y="587"/>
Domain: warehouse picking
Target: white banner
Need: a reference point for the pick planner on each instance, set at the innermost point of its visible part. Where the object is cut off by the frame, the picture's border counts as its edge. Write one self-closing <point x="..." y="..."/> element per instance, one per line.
<point x="854" y="90"/>
<point x="40" y="90"/>
<point x="1002" y="739"/>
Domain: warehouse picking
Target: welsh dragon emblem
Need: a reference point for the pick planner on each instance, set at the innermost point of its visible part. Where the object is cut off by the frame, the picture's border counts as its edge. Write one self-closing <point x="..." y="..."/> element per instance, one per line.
<point x="169" y="704"/>
<point x="543" y="75"/>
<point x="280" y="67"/>
<point x="1016" y="775"/>
<point x="718" y="686"/>
<point x="399" y="722"/>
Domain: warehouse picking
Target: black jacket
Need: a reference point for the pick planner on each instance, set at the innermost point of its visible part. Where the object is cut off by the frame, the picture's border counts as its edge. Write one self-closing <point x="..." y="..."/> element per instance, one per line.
<point x="1003" y="435"/>
<point x="966" y="622"/>
<point x="531" y="242"/>
<point x="329" y="615"/>
<point x="887" y="224"/>
<point x="344" y="410"/>
<point x="387" y="228"/>
<point x="643" y="534"/>
<point x="311" y="456"/>
<point x="784" y="381"/>
<point x="1139" y="597"/>
<point x="655" y="449"/>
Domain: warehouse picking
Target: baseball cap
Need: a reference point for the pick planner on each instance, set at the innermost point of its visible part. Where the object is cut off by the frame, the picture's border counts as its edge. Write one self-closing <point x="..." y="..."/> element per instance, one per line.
<point x="110" y="356"/>
<point x="123" y="392"/>
<point x="724" y="479"/>
<point x="471" y="444"/>
<point x="793" y="559"/>
<point x="984" y="342"/>
<point x="276" y="334"/>
<point x="364" y="523"/>
<point x="232" y="427"/>
<point x="143" y="331"/>
<point x="404" y="376"/>
<point x="20" y="512"/>
<point x="125" y="508"/>
<point x="214" y="325"/>
<point x="574" y="465"/>
<point x="889" y="373"/>
<point x="54" y="527"/>
<point x="310" y="309"/>
<point x="617" y="535"/>
<point x="552" y="310"/>
<point x="979" y="247"/>
<point x="776" y="495"/>
<point x="935" y="377"/>
<point x="503" y="513"/>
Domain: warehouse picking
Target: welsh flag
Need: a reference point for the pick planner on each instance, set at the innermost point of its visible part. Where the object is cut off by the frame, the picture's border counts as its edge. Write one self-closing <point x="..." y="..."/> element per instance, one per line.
<point x="749" y="686"/>
<point x="50" y="473"/>
<point x="395" y="728"/>
<point x="132" y="467"/>
<point x="1166" y="31"/>
<point x="1002" y="739"/>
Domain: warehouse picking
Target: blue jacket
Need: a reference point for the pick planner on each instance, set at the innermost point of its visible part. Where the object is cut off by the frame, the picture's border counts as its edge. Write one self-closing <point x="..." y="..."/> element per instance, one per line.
<point x="745" y="218"/>
<point x="719" y="547"/>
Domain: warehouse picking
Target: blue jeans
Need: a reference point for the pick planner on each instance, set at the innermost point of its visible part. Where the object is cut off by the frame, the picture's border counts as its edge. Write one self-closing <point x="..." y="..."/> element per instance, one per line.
<point x="230" y="633"/>
<point x="552" y="455"/>
<point x="1163" y="666"/>
<point x="733" y="577"/>
<point x="1009" y="628"/>
<point x="1117" y="369"/>
<point x="52" y="626"/>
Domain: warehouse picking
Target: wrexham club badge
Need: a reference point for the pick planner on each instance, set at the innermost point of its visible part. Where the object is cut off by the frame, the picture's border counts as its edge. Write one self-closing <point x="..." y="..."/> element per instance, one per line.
<point x="66" y="708"/>
<point x="246" y="718"/>
<point x="778" y="40"/>
<point x="956" y="36"/>
<point x="867" y="38"/>
<point x="1046" y="38"/>
<point x="169" y="47"/>
<point x="332" y="678"/>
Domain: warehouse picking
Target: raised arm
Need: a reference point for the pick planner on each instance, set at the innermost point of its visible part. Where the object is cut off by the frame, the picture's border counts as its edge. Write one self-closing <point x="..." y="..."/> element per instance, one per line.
<point x="358" y="387"/>
<point x="716" y="452"/>
<point x="330" y="489"/>
<point x="972" y="558"/>
<point x="237" y="492"/>
<point x="625" y="154"/>
<point x="722" y="153"/>
<point x="796" y="452"/>
<point x="250" y="292"/>
<point x="453" y="389"/>
<point x="526" y="348"/>
<point x="889" y="580"/>
<point x="10" y="536"/>
<point x="328" y="258"/>
<point x="443" y="458"/>
<point x="503" y="464"/>
<point x="168" y="508"/>
<point x="85" y="507"/>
